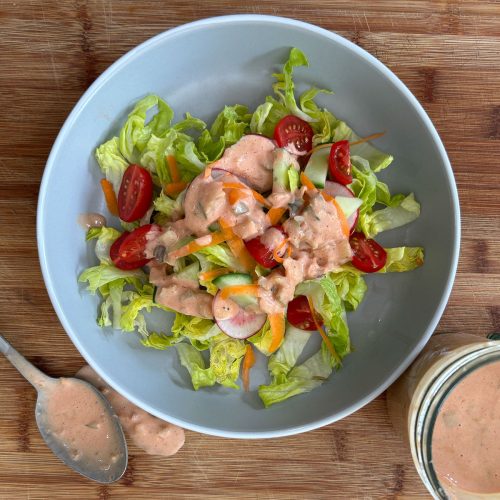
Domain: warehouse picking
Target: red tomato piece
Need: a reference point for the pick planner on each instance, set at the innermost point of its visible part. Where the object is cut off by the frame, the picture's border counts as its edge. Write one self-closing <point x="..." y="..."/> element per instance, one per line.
<point x="136" y="193"/>
<point x="299" y="314"/>
<point x="339" y="163"/>
<point x="128" y="251"/>
<point x="262" y="254"/>
<point x="369" y="256"/>
<point x="294" y="134"/>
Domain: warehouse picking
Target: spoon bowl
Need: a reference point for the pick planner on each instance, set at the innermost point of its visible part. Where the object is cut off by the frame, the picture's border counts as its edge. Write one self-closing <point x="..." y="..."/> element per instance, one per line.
<point x="76" y="421"/>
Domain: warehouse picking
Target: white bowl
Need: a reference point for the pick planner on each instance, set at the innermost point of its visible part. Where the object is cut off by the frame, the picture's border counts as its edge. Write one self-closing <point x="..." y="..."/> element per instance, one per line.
<point x="198" y="68"/>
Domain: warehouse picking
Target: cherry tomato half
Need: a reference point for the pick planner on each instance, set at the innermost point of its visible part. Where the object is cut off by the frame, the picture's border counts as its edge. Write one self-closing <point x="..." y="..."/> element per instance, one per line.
<point x="127" y="252"/>
<point x="294" y="134"/>
<point x="136" y="193"/>
<point x="339" y="163"/>
<point x="299" y="314"/>
<point x="262" y="254"/>
<point x="369" y="256"/>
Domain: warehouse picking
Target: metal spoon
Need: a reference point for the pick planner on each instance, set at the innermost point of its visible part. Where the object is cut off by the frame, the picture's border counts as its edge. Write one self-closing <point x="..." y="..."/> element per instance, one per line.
<point x="47" y="388"/>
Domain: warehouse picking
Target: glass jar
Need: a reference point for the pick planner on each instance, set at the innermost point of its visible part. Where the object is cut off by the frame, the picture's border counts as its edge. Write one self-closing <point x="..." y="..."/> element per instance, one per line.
<point x="415" y="400"/>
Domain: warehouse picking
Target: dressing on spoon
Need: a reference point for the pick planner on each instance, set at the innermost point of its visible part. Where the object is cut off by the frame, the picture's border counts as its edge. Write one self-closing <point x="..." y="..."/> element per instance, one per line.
<point x="76" y="421"/>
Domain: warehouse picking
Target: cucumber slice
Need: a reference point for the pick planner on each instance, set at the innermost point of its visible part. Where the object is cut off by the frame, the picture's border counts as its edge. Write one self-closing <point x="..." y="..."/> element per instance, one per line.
<point x="232" y="279"/>
<point x="317" y="167"/>
<point x="348" y="205"/>
<point x="237" y="279"/>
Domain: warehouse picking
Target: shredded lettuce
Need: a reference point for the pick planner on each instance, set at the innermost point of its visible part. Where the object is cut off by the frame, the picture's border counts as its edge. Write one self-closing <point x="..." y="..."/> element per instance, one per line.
<point x="226" y="355"/>
<point x="284" y="86"/>
<point x="228" y="128"/>
<point x="194" y="363"/>
<point x="399" y="210"/>
<point x="103" y="274"/>
<point x="220" y="256"/>
<point x="351" y="288"/>
<point x="199" y="331"/>
<point x="111" y="162"/>
<point x="302" y="378"/>
<point x="135" y="133"/>
<point x="105" y="237"/>
<point x="391" y="217"/>
<point x="402" y="259"/>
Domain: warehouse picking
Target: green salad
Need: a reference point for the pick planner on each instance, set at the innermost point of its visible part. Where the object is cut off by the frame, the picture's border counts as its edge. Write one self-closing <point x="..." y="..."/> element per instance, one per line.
<point x="256" y="232"/>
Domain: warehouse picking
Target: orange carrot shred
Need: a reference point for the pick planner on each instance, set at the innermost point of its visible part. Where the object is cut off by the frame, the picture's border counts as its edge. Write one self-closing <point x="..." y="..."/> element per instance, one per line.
<point x="238" y="248"/>
<point x="207" y="172"/>
<point x="175" y="187"/>
<point x="367" y="138"/>
<point x="239" y="290"/>
<point x="174" y="169"/>
<point x="277" y="324"/>
<point x="274" y="215"/>
<point x="248" y="362"/>
<point x="255" y="194"/>
<point x="326" y="340"/>
<point x="235" y="195"/>
<point x="214" y="273"/>
<point x="306" y="181"/>
<point x="109" y="196"/>
<point x="195" y="245"/>
<point x="354" y="143"/>
<point x="276" y="256"/>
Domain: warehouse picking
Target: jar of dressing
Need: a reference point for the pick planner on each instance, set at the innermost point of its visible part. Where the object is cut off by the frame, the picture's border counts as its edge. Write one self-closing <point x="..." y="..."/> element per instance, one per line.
<point x="447" y="408"/>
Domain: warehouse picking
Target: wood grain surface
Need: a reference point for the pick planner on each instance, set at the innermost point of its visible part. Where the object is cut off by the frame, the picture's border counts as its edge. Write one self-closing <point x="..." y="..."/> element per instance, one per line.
<point x="447" y="52"/>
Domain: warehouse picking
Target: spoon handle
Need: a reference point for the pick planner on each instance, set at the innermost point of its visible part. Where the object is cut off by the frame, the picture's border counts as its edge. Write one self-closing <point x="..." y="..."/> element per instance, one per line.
<point x="30" y="372"/>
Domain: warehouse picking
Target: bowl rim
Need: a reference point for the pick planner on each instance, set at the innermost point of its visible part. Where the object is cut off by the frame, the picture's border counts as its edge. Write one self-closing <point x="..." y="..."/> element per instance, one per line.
<point x="192" y="26"/>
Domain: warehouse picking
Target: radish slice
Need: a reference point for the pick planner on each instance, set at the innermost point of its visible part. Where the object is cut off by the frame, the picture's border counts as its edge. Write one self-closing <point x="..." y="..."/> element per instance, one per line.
<point x="335" y="189"/>
<point x="234" y="320"/>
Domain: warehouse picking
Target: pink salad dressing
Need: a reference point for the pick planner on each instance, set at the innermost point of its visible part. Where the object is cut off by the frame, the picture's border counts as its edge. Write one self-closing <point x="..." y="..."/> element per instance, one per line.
<point x="317" y="243"/>
<point x="251" y="158"/>
<point x="153" y="435"/>
<point x="466" y="436"/>
<point x="91" y="220"/>
<point x="75" y="417"/>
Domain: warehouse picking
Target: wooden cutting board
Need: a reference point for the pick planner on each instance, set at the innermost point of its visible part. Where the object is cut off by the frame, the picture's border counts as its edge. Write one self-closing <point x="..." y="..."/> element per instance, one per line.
<point x="447" y="52"/>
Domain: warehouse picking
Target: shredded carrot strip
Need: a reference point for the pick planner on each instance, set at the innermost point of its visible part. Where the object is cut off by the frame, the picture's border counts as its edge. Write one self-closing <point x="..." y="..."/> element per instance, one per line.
<point x="239" y="290"/>
<point x="274" y="215"/>
<point x="277" y="324"/>
<point x="327" y="341"/>
<point x="235" y="195"/>
<point x="238" y="248"/>
<point x="260" y="198"/>
<point x="342" y="218"/>
<point x="367" y="138"/>
<point x="248" y="362"/>
<point x="207" y="172"/>
<point x="174" y="169"/>
<point x="175" y="187"/>
<point x="210" y="275"/>
<point x="360" y="141"/>
<point x="307" y="182"/>
<point x="109" y="196"/>
<point x="236" y="185"/>
<point x="195" y="245"/>
<point x="320" y="146"/>
<point x="276" y="256"/>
